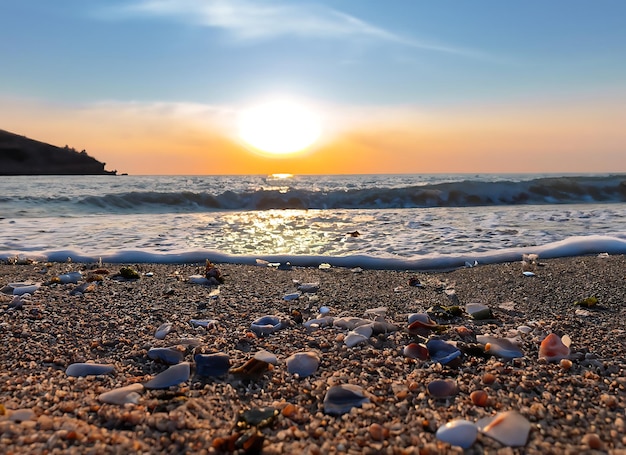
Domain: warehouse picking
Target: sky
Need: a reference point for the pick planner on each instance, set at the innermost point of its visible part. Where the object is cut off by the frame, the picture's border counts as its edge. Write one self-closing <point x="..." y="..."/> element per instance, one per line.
<point x="405" y="86"/>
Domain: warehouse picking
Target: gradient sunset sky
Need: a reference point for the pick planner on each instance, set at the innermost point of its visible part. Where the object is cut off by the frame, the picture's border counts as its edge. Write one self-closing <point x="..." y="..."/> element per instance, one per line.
<point x="156" y="86"/>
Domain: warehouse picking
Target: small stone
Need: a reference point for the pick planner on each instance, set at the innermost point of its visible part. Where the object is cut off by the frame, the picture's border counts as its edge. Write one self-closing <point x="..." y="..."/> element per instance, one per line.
<point x="479" y="397"/>
<point x="442" y="388"/>
<point x="593" y="441"/>
<point x="378" y="432"/>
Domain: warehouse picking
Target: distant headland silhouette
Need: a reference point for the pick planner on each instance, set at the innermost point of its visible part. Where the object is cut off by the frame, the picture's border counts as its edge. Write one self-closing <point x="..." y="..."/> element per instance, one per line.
<point x="20" y="155"/>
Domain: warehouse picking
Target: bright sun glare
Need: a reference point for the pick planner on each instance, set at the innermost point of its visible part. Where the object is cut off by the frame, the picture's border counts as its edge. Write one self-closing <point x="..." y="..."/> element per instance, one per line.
<point x="279" y="127"/>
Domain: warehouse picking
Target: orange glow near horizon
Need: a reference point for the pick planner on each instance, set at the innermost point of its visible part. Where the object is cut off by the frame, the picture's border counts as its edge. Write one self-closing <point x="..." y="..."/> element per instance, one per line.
<point x="187" y="140"/>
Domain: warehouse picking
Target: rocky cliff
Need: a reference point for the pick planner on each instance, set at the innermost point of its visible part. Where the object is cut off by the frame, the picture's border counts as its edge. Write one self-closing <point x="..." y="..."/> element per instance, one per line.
<point x="20" y="155"/>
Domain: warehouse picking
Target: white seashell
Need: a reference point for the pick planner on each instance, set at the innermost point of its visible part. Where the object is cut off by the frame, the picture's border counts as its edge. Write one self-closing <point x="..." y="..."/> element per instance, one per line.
<point x="509" y="428"/>
<point x="206" y="323"/>
<point x="266" y="357"/>
<point x="20" y="288"/>
<point x="349" y="323"/>
<point x="506" y="348"/>
<point x="199" y="279"/>
<point x="365" y="330"/>
<point x="324" y="266"/>
<point x="174" y="375"/>
<point x="524" y="329"/>
<point x="528" y="273"/>
<point x="88" y="369"/>
<point x="303" y="363"/>
<point x="163" y="330"/>
<point x="318" y="323"/>
<point x="566" y="340"/>
<point x="458" y="433"/>
<point x="122" y="395"/>
<point x="378" y="312"/>
<point x="360" y="334"/>
<point x="72" y="277"/>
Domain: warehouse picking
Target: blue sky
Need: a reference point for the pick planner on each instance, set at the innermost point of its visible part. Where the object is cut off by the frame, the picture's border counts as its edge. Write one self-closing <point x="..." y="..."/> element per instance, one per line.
<point x="426" y="55"/>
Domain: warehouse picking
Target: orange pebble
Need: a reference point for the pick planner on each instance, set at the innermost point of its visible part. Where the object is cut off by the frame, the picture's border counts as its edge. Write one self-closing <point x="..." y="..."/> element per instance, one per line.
<point x="489" y="378"/>
<point x="479" y="397"/>
<point x="378" y="432"/>
<point x="593" y="441"/>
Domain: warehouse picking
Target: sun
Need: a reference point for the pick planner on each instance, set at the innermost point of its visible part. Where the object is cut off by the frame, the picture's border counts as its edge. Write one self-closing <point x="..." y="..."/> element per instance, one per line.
<point x="279" y="127"/>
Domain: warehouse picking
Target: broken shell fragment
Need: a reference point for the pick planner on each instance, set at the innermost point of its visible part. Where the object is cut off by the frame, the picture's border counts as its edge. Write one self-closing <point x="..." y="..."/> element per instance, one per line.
<point x="174" y="375"/>
<point x="303" y="363"/>
<point x="88" y="369"/>
<point x="163" y="330"/>
<point x="509" y="428"/>
<point x="266" y="325"/>
<point x="505" y="348"/>
<point x="416" y="351"/>
<point x="122" y="395"/>
<point x="553" y="348"/>
<point x="342" y="398"/>
<point x="170" y="355"/>
<point x="216" y="364"/>
<point x="458" y="433"/>
<point x="442" y="351"/>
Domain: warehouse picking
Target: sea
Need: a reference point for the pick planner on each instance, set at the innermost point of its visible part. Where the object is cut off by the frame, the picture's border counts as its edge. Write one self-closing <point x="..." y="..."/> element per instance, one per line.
<point x="401" y="222"/>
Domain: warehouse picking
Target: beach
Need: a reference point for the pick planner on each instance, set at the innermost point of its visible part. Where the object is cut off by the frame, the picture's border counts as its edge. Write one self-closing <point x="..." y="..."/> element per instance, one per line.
<point x="575" y="407"/>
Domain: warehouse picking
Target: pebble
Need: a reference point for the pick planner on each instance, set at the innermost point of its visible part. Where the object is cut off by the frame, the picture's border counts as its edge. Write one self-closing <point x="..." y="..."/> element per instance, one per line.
<point x="266" y="356"/>
<point x="479" y="398"/>
<point x="88" y="369"/>
<point x="442" y="388"/>
<point x="593" y="441"/>
<point x="216" y="364"/>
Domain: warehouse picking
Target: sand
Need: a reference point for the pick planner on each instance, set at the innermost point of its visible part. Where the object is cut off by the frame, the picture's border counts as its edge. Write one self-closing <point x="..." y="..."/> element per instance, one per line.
<point x="570" y="410"/>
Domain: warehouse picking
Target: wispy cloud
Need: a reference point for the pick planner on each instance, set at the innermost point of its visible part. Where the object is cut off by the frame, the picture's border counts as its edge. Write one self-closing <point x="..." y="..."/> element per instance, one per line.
<point x="247" y="21"/>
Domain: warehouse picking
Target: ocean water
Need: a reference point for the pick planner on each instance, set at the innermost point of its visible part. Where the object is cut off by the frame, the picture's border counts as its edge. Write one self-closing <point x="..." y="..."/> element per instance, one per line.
<point x="371" y="221"/>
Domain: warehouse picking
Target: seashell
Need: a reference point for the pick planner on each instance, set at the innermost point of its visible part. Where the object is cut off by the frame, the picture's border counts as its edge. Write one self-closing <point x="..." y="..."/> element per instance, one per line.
<point x="324" y="266"/>
<point x="163" y="330"/>
<point x="529" y="274"/>
<point x="318" y="323"/>
<point x="216" y="364"/>
<point x="350" y="323"/>
<point x="553" y="349"/>
<point x="19" y="288"/>
<point x="342" y="398"/>
<point x="383" y="327"/>
<point x="252" y="368"/>
<point x="174" y="375"/>
<point x="505" y="348"/>
<point x="122" y="395"/>
<point x="479" y="398"/>
<point x="509" y="428"/>
<point x="353" y="338"/>
<point x="478" y="311"/>
<point x="292" y="296"/>
<point x="83" y="288"/>
<point x="88" y="369"/>
<point x="170" y="355"/>
<point x="421" y="324"/>
<point x="71" y="277"/>
<point x="303" y="363"/>
<point x="199" y="279"/>
<point x="324" y="310"/>
<point x="566" y="364"/>
<point x="266" y="356"/>
<point x="442" y="352"/>
<point x="524" y="329"/>
<point x="206" y="323"/>
<point x="309" y="288"/>
<point x="424" y="317"/>
<point x="458" y="433"/>
<point x="266" y="325"/>
<point x="416" y="351"/>
<point x="442" y="388"/>
<point x="378" y="312"/>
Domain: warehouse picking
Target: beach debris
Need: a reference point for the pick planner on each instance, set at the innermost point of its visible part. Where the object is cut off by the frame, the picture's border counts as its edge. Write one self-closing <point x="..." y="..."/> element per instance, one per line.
<point x="459" y="432"/>
<point x="442" y="351"/>
<point x="251" y="369"/>
<point x="442" y="388"/>
<point x="528" y="274"/>
<point x="444" y="312"/>
<point x="266" y="325"/>
<point x="122" y="395"/>
<point x="589" y="302"/>
<point x="303" y="363"/>
<point x="266" y="356"/>
<point x="353" y="234"/>
<point x="67" y="278"/>
<point x="174" y="375"/>
<point x="318" y="323"/>
<point x="506" y="348"/>
<point x="309" y="288"/>
<point x="553" y="348"/>
<point x="603" y="255"/>
<point x="284" y="266"/>
<point x="128" y="273"/>
<point x="89" y="369"/>
<point x="200" y="279"/>
<point x="529" y="262"/>
<point x="170" y="355"/>
<point x="478" y="311"/>
<point x="216" y="364"/>
<point x="359" y="335"/>
<point x="163" y="330"/>
<point x="470" y="265"/>
<point x="206" y="323"/>
<point x="452" y="297"/>
<point x="509" y="428"/>
<point x="324" y="266"/>
<point x="83" y="288"/>
<point x="416" y="351"/>
<point x="212" y="273"/>
<point x="415" y="282"/>
<point x="421" y="324"/>
<point x="342" y="398"/>
<point x="19" y="288"/>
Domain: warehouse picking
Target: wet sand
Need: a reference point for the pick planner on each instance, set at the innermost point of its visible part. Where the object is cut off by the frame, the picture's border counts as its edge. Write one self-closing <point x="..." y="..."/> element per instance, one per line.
<point x="570" y="410"/>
